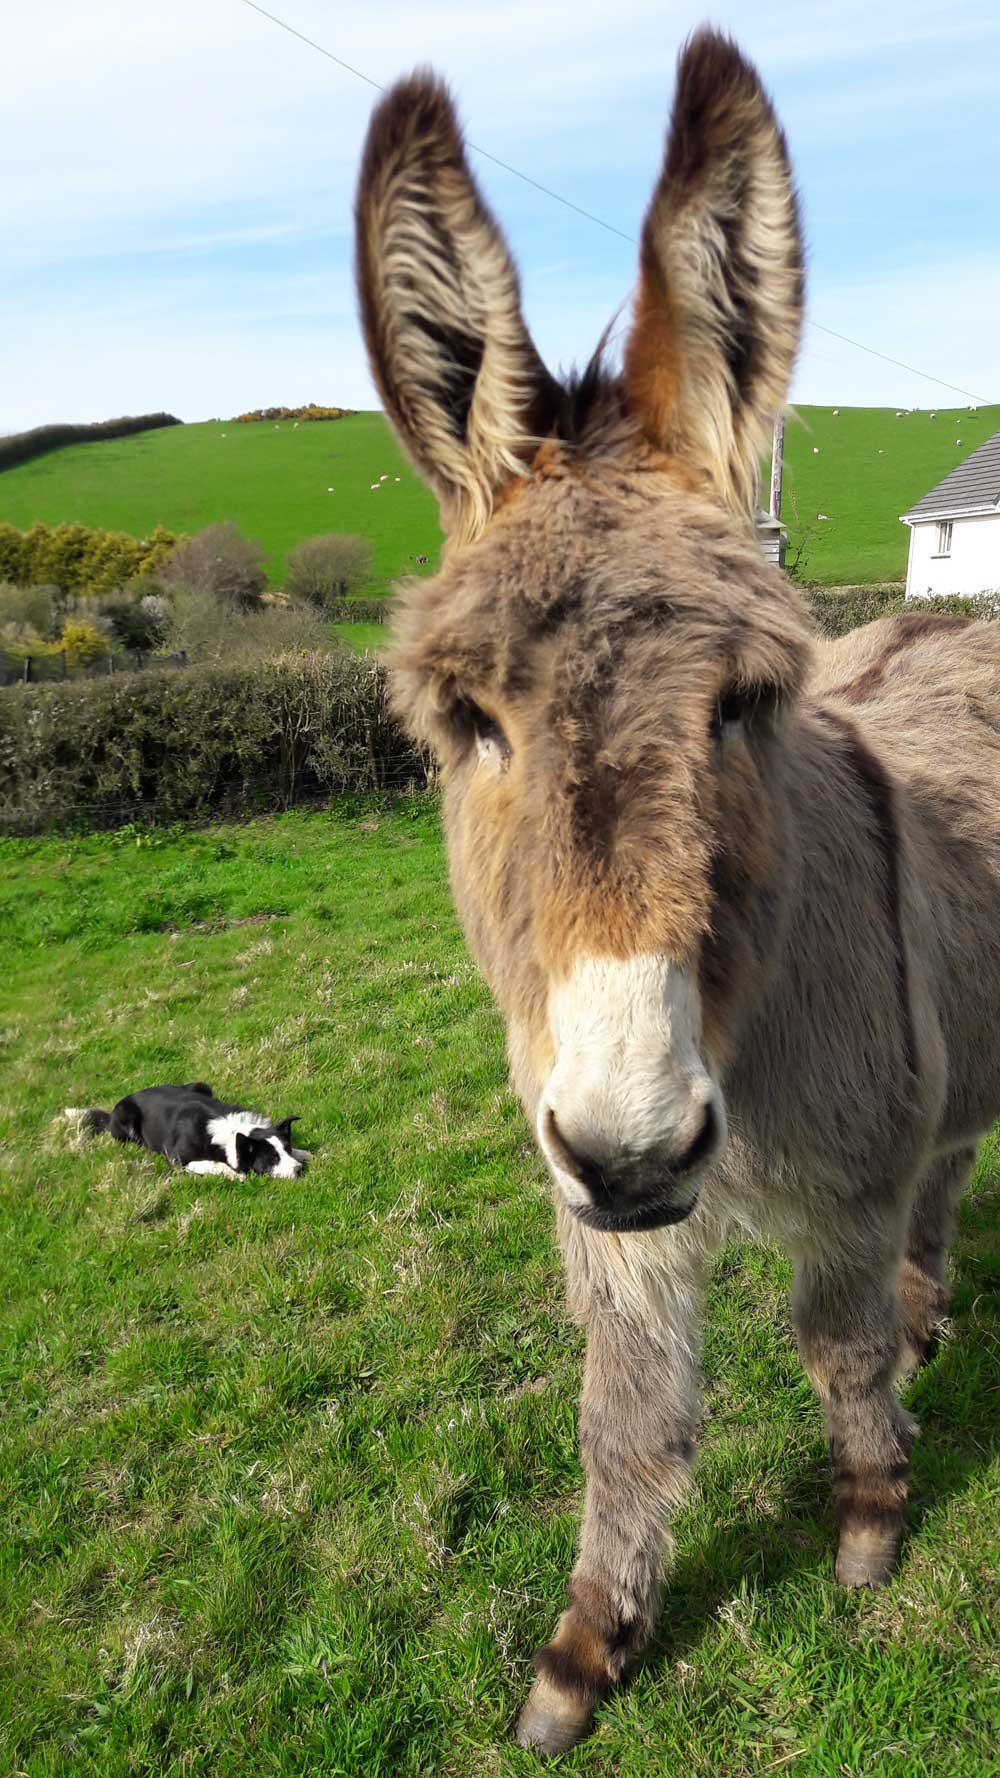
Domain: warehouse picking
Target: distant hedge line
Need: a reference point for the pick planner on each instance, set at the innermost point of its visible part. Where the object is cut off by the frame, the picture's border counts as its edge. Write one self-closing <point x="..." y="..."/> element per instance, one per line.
<point x="172" y="746"/>
<point x="836" y="610"/>
<point x="80" y="560"/>
<point x="313" y="410"/>
<point x="21" y="447"/>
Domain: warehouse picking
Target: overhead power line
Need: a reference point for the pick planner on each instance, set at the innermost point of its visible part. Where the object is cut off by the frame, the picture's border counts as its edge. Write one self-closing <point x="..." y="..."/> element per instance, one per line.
<point x="589" y="214"/>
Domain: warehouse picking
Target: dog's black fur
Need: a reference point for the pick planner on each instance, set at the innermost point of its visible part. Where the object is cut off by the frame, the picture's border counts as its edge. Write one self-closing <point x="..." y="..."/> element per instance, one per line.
<point x="185" y="1124"/>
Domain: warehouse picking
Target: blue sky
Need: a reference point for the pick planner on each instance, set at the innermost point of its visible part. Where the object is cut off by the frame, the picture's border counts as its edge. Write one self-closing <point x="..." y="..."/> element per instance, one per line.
<point x="179" y="186"/>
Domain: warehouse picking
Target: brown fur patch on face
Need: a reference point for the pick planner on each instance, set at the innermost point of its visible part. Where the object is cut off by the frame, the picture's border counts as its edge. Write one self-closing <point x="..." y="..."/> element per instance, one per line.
<point x="599" y="621"/>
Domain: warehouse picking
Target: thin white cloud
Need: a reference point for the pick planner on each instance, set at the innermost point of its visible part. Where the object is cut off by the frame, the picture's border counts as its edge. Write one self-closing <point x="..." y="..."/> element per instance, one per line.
<point x="171" y="143"/>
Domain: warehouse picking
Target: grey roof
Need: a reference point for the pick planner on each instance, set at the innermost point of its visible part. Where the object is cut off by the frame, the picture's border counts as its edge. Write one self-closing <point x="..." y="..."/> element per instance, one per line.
<point x="972" y="487"/>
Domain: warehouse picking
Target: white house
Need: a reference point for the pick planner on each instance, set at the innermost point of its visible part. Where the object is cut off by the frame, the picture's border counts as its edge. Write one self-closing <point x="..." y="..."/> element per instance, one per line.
<point x="955" y="530"/>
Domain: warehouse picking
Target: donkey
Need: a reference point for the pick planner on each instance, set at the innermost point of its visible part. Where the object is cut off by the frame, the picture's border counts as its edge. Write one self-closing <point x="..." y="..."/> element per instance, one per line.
<point x="736" y="890"/>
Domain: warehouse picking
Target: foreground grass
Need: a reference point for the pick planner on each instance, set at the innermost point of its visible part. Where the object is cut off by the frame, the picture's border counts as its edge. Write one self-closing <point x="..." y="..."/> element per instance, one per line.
<point x="288" y="1469"/>
<point x="861" y="467"/>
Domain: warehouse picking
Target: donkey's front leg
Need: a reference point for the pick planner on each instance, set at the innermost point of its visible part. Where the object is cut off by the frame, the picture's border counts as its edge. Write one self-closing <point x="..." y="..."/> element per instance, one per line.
<point x="637" y="1427"/>
<point x="848" y="1325"/>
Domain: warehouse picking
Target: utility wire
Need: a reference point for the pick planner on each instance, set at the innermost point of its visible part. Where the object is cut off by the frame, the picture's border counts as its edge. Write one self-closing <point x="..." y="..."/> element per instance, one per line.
<point x="283" y="25"/>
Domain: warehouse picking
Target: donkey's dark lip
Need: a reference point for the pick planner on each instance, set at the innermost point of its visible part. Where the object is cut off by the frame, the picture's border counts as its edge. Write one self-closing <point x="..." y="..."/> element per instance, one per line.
<point x="654" y="1213"/>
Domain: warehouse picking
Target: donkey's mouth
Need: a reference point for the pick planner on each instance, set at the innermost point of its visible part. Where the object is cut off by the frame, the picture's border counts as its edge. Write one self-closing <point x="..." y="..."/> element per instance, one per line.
<point x="654" y="1212"/>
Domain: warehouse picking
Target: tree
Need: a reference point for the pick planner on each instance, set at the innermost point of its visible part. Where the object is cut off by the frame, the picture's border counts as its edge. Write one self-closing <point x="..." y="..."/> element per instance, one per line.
<point x="221" y="561"/>
<point x="325" y="569"/>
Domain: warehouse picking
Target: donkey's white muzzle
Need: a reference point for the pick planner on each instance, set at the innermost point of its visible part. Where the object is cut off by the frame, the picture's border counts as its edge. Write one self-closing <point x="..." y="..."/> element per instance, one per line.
<point x="630" y="1117"/>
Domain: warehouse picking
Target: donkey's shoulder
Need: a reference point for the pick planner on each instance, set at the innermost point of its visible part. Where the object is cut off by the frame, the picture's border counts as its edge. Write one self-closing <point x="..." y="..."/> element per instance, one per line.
<point x="917" y="647"/>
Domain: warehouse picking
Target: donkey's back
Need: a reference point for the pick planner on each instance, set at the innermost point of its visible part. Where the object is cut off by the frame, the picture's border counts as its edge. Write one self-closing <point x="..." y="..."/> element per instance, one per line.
<point x="925" y="692"/>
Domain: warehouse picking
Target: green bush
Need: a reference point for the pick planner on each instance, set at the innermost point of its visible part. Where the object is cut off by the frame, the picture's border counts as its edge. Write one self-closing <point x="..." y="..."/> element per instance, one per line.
<point x="31" y="608"/>
<point x="77" y="559"/>
<point x="835" y="610"/>
<point x="137" y="625"/>
<point x="21" y="447"/>
<point x="313" y="410"/>
<point x="205" y="741"/>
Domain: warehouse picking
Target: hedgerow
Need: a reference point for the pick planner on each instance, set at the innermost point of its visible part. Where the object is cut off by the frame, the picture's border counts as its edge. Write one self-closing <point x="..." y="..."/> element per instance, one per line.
<point x="77" y="559"/>
<point x="312" y="410"/>
<point x="206" y="741"/>
<point x="21" y="447"/>
<point x="836" y="610"/>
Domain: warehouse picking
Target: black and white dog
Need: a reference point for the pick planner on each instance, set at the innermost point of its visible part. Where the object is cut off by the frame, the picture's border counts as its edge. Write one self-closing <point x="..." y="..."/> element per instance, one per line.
<point x="200" y="1133"/>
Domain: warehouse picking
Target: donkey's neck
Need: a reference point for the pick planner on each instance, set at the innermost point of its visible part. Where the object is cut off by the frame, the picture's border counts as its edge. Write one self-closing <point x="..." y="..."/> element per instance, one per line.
<point x="830" y="1042"/>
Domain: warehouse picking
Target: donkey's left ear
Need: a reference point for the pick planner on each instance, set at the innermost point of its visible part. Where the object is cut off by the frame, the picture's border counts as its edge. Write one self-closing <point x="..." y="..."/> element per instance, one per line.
<point x="440" y="304"/>
<point x="719" y="304"/>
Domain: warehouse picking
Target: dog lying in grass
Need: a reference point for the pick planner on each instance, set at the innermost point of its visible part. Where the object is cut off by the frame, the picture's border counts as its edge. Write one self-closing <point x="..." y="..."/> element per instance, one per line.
<point x="202" y="1134"/>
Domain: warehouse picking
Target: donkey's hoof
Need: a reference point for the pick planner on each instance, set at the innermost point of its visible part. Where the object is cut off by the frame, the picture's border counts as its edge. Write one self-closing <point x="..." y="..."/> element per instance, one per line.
<point x="552" y="1720"/>
<point x="866" y="1559"/>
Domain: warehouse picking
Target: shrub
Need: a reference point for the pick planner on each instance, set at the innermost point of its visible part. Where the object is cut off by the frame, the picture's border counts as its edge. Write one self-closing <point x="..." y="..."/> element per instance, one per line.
<point x="174" y="745"/>
<point x="196" y="629"/>
<point x="80" y="560"/>
<point x="21" y="447"/>
<point x="313" y="410"/>
<point x="328" y="568"/>
<point x="83" y="641"/>
<point x="220" y="561"/>
<point x="31" y="608"/>
<point x="138" y="625"/>
<point x="836" y="610"/>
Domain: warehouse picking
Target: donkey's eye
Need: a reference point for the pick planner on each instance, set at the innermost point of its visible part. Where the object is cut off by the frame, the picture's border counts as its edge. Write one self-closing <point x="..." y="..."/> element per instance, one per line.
<point x="738" y="708"/>
<point x="489" y="737"/>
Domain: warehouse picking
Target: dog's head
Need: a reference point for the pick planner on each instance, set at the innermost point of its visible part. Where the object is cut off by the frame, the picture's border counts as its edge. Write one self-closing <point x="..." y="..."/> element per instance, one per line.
<point x="268" y="1150"/>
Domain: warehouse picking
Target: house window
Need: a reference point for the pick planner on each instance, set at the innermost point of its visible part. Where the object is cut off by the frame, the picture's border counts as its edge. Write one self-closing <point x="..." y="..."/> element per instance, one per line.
<point x="944" y="538"/>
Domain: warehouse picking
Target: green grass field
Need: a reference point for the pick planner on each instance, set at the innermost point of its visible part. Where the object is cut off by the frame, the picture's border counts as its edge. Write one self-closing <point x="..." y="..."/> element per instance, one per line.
<point x="288" y="1469"/>
<point x="274" y="482"/>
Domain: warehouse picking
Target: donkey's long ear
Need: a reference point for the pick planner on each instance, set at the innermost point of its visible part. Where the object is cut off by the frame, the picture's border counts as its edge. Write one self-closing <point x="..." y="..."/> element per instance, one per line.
<point x="719" y="303"/>
<point x="441" y="308"/>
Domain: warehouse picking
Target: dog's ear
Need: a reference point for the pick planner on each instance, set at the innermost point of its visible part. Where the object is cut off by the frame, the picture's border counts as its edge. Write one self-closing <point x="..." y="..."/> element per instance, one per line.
<point x="245" y="1147"/>
<point x="284" y="1129"/>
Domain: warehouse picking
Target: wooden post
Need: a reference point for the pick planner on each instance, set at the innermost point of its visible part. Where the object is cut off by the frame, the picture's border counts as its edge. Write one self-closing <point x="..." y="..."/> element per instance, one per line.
<point x="27" y="669"/>
<point x="777" y="464"/>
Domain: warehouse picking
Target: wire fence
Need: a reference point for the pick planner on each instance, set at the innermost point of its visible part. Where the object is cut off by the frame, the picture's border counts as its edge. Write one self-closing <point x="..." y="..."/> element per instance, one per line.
<point x="242" y="800"/>
<point x="54" y="667"/>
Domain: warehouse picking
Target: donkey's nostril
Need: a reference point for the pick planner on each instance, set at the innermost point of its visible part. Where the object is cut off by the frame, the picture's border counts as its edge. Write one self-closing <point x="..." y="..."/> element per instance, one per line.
<point x="702" y="1145"/>
<point x="580" y="1166"/>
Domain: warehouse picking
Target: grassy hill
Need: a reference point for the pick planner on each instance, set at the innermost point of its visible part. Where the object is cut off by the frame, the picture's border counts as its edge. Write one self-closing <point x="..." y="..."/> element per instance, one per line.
<point x="274" y="481"/>
<point x="863" y="466"/>
<point x="860" y="466"/>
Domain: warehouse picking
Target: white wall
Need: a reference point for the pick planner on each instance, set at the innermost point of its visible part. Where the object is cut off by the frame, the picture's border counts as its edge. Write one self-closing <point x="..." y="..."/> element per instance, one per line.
<point x="972" y="567"/>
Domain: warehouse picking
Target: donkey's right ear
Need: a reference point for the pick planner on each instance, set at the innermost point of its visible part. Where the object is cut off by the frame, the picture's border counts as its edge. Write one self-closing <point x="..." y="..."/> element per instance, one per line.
<point x="440" y="304"/>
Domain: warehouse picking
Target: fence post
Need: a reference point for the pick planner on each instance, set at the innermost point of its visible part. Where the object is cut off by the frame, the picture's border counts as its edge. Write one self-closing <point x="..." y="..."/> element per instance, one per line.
<point x="27" y="669"/>
<point x="111" y="665"/>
